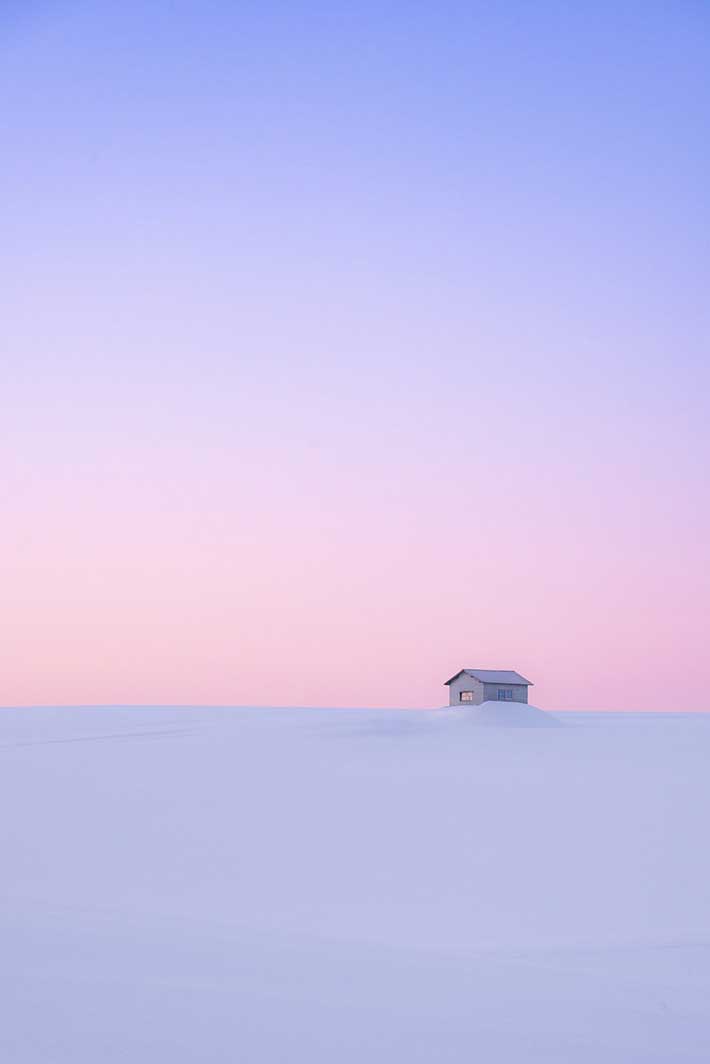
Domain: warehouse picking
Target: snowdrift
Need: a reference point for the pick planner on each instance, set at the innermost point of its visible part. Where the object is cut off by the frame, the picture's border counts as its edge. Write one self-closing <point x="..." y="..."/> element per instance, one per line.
<point x="508" y="715"/>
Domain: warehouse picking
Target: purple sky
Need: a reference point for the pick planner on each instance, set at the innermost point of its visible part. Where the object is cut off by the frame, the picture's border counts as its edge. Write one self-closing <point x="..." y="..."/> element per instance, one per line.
<point x="347" y="345"/>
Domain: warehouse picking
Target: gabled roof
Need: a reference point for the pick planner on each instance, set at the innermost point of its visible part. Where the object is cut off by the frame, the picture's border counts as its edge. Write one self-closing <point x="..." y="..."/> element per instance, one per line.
<point x="492" y="676"/>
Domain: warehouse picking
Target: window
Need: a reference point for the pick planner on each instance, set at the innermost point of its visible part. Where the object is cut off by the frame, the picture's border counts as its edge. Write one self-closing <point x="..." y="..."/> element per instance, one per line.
<point x="505" y="694"/>
<point x="466" y="696"/>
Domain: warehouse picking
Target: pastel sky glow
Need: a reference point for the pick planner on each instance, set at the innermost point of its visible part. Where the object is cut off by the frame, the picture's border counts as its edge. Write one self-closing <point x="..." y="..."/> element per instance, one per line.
<point x="344" y="345"/>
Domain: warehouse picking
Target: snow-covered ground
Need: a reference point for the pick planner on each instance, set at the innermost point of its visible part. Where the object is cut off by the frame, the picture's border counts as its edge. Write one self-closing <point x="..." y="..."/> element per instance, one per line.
<point x="220" y="886"/>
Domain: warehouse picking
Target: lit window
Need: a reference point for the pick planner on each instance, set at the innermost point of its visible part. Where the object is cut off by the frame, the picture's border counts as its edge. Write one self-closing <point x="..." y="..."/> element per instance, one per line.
<point x="505" y="694"/>
<point x="466" y="696"/>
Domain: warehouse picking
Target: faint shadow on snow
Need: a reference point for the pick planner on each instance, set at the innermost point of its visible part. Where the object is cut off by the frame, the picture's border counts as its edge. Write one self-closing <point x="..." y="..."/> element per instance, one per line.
<point x="446" y="721"/>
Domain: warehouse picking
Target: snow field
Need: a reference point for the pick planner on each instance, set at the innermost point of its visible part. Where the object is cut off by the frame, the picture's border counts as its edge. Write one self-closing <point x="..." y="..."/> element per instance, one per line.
<point x="316" y="885"/>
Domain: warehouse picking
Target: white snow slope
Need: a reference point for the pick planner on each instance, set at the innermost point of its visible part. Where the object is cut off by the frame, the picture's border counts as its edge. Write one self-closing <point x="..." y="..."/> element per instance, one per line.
<point x="215" y="886"/>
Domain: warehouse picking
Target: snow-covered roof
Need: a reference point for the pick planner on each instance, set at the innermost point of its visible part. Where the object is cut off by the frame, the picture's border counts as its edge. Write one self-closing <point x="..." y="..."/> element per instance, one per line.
<point x="492" y="676"/>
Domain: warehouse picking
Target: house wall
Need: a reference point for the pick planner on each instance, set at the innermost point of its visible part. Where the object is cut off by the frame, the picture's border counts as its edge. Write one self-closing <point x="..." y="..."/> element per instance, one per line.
<point x="466" y="683"/>
<point x="490" y="691"/>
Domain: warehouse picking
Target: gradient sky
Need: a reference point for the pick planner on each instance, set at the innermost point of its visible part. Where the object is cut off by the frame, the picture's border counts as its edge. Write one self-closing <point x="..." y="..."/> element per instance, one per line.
<point x="344" y="345"/>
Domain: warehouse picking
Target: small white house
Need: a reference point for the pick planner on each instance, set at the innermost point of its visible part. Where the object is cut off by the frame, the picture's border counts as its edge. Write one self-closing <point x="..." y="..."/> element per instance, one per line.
<point x="471" y="687"/>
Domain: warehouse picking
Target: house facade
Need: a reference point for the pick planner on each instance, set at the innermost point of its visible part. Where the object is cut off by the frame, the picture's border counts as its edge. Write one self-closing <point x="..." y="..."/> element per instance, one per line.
<point x="471" y="687"/>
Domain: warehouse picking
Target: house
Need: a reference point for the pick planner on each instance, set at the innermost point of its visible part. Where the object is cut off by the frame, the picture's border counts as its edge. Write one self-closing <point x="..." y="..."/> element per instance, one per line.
<point x="474" y="686"/>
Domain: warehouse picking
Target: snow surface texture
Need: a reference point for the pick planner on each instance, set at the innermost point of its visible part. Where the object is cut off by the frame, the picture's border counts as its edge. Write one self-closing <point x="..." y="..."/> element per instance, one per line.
<point x="319" y="886"/>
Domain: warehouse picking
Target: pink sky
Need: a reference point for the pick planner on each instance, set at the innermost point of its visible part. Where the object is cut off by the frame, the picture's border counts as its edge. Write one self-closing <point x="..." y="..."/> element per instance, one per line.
<point x="340" y="370"/>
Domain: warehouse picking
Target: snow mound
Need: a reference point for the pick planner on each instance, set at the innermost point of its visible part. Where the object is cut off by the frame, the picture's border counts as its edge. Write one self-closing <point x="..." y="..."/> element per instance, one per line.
<point x="509" y="715"/>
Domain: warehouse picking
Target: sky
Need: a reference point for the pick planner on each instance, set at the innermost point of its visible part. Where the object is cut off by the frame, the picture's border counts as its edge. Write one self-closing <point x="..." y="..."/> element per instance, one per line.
<point x="346" y="345"/>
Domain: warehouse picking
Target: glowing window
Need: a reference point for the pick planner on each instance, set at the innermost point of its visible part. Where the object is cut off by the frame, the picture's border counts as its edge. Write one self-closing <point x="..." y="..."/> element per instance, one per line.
<point x="466" y="696"/>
